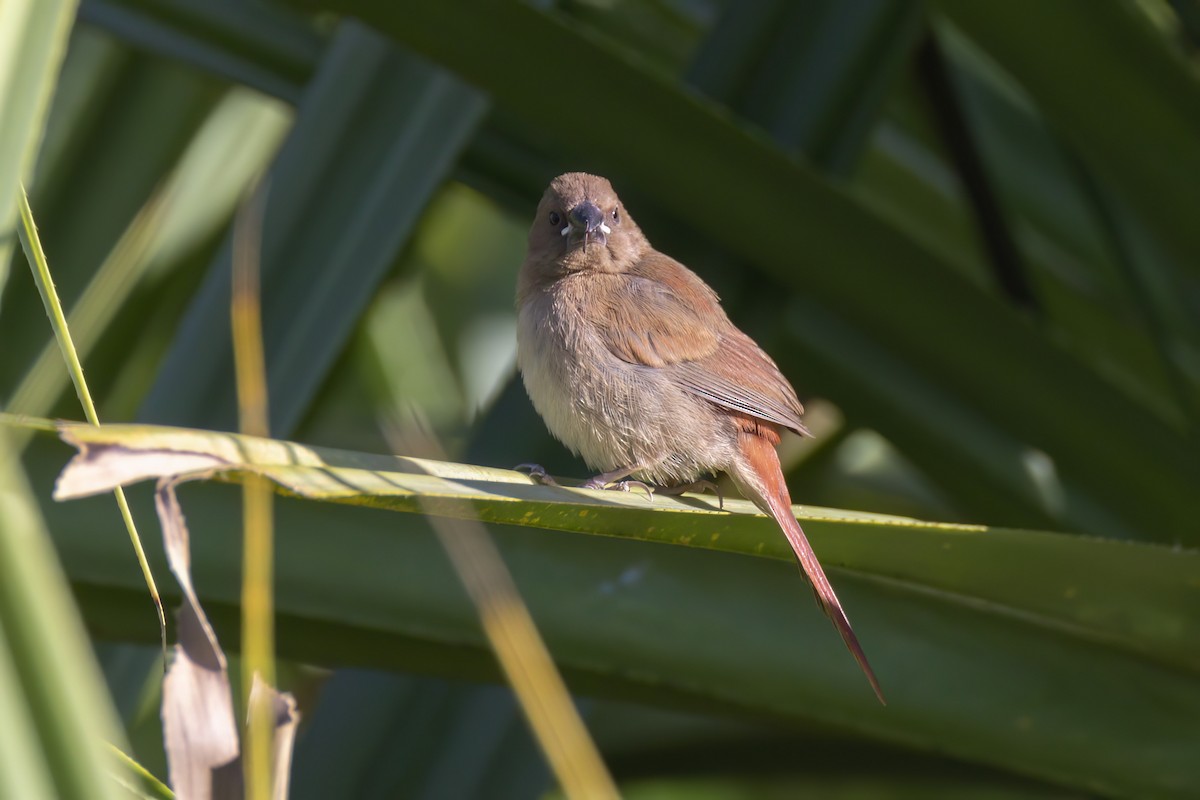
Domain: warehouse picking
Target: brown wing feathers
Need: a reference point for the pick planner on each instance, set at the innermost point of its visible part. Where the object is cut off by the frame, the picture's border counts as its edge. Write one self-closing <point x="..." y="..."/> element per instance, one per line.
<point x="654" y="315"/>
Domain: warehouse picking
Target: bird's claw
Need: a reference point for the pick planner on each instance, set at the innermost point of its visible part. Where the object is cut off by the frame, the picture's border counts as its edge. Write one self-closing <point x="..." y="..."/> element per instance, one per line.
<point x="538" y="473"/>
<point x="621" y="486"/>
<point x="707" y="485"/>
<point x="626" y="486"/>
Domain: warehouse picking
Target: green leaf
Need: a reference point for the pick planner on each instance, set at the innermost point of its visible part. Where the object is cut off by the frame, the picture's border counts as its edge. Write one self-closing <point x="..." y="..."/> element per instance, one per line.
<point x="33" y="36"/>
<point x="950" y="560"/>
<point x="398" y="713"/>
<point x="57" y="713"/>
<point x="194" y="201"/>
<point x="373" y="139"/>
<point x="1104" y="285"/>
<point x="814" y="75"/>
<point x="128" y="126"/>
<point x="1060" y="53"/>
<point x="1026" y="650"/>
<point x="253" y="44"/>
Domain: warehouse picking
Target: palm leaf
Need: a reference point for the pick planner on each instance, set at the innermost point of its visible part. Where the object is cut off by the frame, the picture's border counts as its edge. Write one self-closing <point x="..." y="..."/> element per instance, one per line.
<point x="982" y="630"/>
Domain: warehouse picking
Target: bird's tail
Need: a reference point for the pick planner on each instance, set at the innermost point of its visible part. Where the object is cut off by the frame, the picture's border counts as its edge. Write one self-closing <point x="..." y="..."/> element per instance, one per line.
<point x="767" y="490"/>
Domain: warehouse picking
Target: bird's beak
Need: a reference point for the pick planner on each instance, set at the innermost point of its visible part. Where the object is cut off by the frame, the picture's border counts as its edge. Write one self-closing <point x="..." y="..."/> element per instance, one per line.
<point x="585" y="225"/>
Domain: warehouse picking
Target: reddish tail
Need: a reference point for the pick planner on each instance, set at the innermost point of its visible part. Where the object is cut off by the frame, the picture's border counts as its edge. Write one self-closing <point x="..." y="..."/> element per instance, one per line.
<point x="773" y="498"/>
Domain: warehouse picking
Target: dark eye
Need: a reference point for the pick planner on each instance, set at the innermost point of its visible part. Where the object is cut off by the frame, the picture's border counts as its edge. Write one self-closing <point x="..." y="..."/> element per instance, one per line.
<point x="616" y="214"/>
<point x="555" y="219"/>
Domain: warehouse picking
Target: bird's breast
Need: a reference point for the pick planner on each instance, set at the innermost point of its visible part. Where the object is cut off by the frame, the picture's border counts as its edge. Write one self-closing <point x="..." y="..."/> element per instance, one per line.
<point x="612" y="413"/>
<point x="564" y="369"/>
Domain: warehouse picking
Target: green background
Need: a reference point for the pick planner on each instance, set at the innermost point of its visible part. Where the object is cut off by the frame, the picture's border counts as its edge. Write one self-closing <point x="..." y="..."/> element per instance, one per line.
<point x="966" y="231"/>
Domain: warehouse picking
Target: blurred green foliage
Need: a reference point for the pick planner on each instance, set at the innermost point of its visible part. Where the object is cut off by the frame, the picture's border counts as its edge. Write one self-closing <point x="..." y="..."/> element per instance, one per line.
<point x="965" y="230"/>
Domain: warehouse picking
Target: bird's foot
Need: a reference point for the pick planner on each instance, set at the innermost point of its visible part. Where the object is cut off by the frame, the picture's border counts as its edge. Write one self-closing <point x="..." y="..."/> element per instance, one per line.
<point x="699" y="486"/>
<point x="599" y="482"/>
<point x="538" y="473"/>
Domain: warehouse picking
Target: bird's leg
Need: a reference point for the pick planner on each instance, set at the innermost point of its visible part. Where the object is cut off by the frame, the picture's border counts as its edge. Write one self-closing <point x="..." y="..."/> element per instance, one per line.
<point x="698" y="486"/>
<point x="615" y="480"/>
<point x="608" y="480"/>
<point x="538" y="473"/>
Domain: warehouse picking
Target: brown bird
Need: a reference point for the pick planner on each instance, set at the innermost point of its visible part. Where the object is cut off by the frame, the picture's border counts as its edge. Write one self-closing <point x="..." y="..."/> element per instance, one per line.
<point x="631" y="361"/>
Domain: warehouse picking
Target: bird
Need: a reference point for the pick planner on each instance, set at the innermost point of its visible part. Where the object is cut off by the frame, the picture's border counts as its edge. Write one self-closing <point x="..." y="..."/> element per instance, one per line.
<point x="632" y="363"/>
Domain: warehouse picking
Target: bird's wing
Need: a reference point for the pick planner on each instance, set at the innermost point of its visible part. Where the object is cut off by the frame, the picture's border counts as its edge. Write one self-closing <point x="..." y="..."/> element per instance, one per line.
<point x="744" y="378"/>
<point x="661" y="315"/>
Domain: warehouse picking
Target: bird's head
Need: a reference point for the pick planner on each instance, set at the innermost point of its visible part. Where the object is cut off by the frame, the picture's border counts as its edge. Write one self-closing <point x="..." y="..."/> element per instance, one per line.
<point x="581" y="225"/>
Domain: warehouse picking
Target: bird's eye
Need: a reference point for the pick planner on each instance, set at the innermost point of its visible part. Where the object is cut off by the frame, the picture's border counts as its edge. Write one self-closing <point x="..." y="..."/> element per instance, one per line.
<point x="555" y="218"/>
<point x="616" y="214"/>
